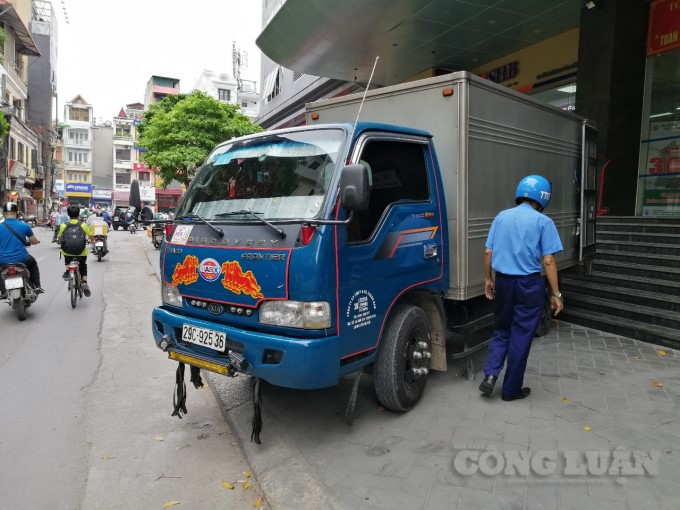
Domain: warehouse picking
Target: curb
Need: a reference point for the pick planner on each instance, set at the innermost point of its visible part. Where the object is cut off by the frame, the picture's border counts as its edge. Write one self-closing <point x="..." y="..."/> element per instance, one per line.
<point x="286" y="479"/>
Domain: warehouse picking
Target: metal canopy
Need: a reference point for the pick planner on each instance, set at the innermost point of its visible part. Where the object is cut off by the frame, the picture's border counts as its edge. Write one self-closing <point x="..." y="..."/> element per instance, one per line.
<point x="9" y="16"/>
<point x="341" y="39"/>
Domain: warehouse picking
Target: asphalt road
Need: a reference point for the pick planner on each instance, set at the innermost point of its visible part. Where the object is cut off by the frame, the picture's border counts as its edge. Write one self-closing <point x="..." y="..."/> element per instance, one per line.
<point x="86" y="398"/>
<point x="46" y="364"/>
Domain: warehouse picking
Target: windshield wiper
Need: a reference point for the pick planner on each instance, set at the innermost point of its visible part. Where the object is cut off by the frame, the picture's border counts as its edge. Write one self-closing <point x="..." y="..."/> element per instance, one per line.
<point x="194" y="216"/>
<point x="276" y="229"/>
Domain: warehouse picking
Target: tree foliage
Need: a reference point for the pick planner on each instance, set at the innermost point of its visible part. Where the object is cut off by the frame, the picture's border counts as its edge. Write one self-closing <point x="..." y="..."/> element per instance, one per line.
<point x="180" y="131"/>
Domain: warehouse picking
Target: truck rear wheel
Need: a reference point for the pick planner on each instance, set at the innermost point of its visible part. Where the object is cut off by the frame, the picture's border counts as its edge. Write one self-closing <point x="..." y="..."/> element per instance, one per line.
<point x="403" y="360"/>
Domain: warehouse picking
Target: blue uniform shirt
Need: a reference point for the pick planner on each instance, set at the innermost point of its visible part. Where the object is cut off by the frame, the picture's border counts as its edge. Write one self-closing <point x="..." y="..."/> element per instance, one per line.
<point x="11" y="249"/>
<point x="519" y="238"/>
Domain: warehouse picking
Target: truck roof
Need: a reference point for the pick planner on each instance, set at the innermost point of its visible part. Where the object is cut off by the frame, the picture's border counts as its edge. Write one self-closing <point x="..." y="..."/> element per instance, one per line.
<point x="346" y="126"/>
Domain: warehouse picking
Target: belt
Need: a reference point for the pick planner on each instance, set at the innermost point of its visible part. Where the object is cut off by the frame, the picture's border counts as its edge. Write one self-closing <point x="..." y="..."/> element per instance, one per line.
<point x="503" y="275"/>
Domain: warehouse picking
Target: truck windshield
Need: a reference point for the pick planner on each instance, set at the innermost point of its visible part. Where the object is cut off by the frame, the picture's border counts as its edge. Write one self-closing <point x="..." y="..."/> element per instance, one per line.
<point x="276" y="176"/>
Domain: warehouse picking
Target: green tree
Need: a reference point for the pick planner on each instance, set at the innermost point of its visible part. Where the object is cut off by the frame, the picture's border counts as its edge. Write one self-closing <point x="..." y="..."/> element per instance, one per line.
<point x="180" y="131"/>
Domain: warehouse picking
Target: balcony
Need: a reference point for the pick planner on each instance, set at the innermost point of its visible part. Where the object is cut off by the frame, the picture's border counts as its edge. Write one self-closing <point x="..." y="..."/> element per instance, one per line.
<point x="77" y="143"/>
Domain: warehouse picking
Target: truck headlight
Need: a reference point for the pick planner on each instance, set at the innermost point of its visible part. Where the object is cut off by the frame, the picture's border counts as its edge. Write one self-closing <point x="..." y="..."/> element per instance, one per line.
<point x="170" y="295"/>
<point x="296" y="314"/>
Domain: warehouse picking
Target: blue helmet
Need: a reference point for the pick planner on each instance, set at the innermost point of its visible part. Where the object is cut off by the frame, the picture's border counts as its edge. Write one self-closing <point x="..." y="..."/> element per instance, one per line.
<point x="536" y="188"/>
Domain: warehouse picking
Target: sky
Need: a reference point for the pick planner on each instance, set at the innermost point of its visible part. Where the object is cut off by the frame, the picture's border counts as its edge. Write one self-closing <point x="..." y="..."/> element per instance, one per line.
<point x="109" y="49"/>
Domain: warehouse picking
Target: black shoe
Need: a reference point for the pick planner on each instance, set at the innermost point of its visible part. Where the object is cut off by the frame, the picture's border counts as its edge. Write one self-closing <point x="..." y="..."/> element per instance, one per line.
<point x="65" y="275"/>
<point x="4" y="295"/>
<point x="86" y="288"/>
<point x="523" y="393"/>
<point x="39" y="290"/>
<point x="487" y="384"/>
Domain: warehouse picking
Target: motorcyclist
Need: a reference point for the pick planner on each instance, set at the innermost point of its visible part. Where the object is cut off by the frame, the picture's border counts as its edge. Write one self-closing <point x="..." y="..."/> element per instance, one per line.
<point x="99" y="227"/>
<point x="13" y="247"/>
<point x="61" y="218"/>
<point x="73" y="212"/>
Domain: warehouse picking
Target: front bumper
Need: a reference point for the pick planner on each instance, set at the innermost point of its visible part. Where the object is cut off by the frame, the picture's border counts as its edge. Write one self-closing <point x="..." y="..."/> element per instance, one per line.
<point x="305" y="363"/>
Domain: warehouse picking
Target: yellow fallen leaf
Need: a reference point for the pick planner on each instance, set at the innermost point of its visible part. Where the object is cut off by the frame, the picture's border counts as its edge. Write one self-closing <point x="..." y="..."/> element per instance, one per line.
<point x="565" y="400"/>
<point x="227" y="485"/>
<point x="158" y="438"/>
<point x="170" y="503"/>
<point x="106" y="457"/>
<point x="587" y="428"/>
<point x="247" y="473"/>
<point x="258" y="502"/>
<point x="657" y="384"/>
<point x="661" y="352"/>
<point x="246" y="485"/>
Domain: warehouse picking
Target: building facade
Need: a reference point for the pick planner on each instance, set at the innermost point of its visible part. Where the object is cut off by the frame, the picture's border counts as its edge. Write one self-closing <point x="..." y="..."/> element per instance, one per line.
<point x="20" y="174"/>
<point x="613" y="62"/>
<point x="77" y="140"/>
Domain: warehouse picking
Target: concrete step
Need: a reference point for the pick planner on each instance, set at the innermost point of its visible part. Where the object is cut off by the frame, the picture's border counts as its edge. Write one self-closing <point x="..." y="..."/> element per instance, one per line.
<point x="663" y="238"/>
<point x="668" y="228"/>
<point x="617" y="308"/>
<point x="660" y="286"/>
<point x="666" y="337"/>
<point x="652" y="259"/>
<point x="672" y="249"/>
<point x="637" y="221"/>
<point x="582" y="284"/>
<point x="670" y="274"/>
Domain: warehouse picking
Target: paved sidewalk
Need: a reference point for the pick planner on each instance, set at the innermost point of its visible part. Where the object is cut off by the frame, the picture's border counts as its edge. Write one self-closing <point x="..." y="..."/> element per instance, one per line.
<point x="591" y="392"/>
<point x="626" y="392"/>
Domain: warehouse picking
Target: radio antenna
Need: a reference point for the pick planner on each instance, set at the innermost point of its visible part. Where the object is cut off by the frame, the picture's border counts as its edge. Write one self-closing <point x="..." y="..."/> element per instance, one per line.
<point x="366" y="91"/>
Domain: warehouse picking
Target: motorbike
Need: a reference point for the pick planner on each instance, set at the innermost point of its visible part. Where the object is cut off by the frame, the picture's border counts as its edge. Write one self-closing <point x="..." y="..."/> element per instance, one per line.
<point x="19" y="289"/>
<point x="28" y="218"/>
<point x="100" y="246"/>
<point x="157" y="235"/>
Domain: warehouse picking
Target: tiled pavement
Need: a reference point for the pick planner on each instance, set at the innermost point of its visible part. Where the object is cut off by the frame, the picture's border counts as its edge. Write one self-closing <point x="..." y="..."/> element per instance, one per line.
<point x="626" y="392"/>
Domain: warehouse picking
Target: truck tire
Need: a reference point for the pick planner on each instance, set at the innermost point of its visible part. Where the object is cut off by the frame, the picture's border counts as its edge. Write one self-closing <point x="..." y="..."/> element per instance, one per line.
<point x="396" y="384"/>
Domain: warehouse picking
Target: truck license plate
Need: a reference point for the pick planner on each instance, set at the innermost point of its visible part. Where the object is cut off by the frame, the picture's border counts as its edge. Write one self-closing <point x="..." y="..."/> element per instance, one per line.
<point x="14" y="283"/>
<point x="206" y="337"/>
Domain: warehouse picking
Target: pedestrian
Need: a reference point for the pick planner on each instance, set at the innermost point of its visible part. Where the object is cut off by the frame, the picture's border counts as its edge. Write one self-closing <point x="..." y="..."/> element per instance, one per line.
<point x="520" y="241"/>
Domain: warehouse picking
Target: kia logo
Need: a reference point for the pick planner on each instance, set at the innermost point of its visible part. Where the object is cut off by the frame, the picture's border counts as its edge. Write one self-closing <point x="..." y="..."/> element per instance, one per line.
<point x="215" y="308"/>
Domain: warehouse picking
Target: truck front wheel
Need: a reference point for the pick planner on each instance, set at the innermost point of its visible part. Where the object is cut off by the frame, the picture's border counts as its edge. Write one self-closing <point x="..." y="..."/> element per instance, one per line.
<point x="403" y="360"/>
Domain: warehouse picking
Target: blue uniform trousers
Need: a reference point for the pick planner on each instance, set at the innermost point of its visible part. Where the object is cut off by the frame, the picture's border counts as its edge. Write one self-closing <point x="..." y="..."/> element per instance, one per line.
<point x="519" y="305"/>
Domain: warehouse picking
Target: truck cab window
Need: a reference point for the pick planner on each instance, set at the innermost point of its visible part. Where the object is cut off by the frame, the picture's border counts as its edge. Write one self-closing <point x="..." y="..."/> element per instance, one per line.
<point x="397" y="173"/>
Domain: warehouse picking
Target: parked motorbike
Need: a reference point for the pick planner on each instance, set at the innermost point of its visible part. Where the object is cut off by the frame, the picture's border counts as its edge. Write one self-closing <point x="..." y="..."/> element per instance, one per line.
<point x="157" y="235"/>
<point x="28" y="218"/>
<point x="19" y="289"/>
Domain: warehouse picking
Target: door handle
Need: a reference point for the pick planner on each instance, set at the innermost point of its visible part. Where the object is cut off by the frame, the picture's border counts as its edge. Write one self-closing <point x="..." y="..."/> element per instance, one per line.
<point x="429" y="250"/>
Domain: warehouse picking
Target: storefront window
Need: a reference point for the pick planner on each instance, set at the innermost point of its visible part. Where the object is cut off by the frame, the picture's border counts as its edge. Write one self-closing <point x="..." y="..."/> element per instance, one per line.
<point x="563" y="97"/>
<point x="659" y="167"/>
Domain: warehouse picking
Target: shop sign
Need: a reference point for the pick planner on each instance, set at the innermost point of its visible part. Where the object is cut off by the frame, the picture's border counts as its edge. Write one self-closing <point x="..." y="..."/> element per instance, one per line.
<point x="661" y="182"/>
<point x="78" y="189"/>
<point x="503" y="73"/>
<point x="59" y="185"/>
<point x="147" y="194"/>
<point x="664" y="27"/>
<point x="101" y="194"/>
<point x="121" y="195"/>
<point x="140" y="166"/>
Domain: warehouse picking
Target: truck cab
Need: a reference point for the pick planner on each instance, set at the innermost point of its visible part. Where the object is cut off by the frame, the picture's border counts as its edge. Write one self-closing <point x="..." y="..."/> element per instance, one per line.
<point x="291" y="250"/>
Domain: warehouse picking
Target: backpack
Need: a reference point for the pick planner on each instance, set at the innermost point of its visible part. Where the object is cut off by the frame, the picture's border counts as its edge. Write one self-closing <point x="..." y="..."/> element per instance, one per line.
<point x="73" y="239"/>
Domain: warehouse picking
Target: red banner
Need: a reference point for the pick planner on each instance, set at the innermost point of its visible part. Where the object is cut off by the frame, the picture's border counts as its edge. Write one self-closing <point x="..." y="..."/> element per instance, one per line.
<point x="664" y="27"/>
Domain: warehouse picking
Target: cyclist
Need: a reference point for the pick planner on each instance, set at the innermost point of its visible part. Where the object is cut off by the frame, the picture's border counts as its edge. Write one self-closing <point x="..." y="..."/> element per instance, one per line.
<point x="71" y="254"/>
<point x="13" y="247"/>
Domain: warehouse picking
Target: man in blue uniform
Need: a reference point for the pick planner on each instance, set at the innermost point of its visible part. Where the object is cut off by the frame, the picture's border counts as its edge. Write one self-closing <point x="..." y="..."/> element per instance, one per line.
<point x="14" y="235"/>
<point x="521" y="242"/>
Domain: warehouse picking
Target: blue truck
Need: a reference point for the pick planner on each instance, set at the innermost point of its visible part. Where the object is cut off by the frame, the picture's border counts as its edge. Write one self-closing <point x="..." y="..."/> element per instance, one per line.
<point x="302" y="255"/>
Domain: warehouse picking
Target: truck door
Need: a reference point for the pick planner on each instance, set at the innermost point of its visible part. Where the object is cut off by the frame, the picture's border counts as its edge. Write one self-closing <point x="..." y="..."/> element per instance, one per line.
<point x="394" y="245"/>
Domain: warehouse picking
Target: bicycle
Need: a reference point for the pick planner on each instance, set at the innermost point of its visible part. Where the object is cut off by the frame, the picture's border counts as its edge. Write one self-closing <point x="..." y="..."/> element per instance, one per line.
<point x="74" y="280"/>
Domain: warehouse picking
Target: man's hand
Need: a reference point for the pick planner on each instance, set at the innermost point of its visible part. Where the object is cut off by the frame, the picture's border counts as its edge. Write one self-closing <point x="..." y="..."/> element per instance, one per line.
<point x="489" y="289"/>
<point x="556" y="304"/>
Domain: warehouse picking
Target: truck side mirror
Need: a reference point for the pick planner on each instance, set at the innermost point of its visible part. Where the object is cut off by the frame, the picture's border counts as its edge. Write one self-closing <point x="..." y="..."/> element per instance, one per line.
<point x="354" y="188"/>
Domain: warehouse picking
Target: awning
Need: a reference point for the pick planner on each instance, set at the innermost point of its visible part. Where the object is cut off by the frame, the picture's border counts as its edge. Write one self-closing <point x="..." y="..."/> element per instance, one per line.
<point x="9" y="15"/>
<point x="25" y="195"/>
